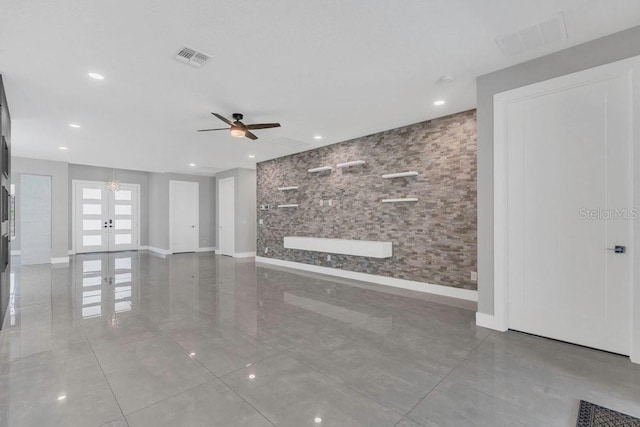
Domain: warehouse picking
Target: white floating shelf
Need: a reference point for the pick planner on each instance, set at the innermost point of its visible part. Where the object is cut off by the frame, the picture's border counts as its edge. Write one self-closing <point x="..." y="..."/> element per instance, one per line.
<point x="400" y="174"/>
<point x="407" y="199"/>
<point x="320" y="169"/>
<point x="287" y="206"/>
<point x="293" y="187"/>
<point x="353" y="163"/>
<point x="365" y="248"/>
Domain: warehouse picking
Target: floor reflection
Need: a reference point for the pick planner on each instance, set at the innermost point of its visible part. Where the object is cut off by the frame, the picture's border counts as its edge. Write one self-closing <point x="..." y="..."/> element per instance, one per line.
<point x="106" y="284"/>
<point x="139" y="336"/>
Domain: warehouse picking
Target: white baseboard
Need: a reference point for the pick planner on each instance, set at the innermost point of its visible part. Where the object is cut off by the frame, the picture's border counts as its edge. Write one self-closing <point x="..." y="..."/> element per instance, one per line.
<point x="15" y="253"/>
<point x="488" y="321"/>
<point x="60" y="260"/>
<point x="429" y="288"/>
<point x="207" y="249"/>
<point x="155" y="250"/>
<point x="244" y="254"/>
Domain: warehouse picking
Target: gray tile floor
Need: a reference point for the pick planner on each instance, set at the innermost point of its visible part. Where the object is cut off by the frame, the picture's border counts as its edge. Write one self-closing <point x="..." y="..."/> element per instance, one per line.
<point x="196" y="339"/>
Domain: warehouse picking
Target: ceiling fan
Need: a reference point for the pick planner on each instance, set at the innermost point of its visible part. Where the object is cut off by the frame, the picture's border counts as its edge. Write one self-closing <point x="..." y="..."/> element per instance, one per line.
<point x="239" y="129"/>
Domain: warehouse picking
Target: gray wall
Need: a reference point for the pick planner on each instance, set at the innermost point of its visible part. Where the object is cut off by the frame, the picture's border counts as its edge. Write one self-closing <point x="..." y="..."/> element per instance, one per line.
<point x="58" y="171"/>
<point x="159" y="208"/>
<point x="615" y="47"/>
<point x="434" y="239"/>
<point x="158" y="221"/>
<point x="245" y="208"/>
<point x="95" y="173"/>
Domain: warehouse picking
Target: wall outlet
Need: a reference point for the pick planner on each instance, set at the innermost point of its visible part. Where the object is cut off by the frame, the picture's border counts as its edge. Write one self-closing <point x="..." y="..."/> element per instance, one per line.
<point x="266" y="250"/>
<point x="330" y="202"/>
<point x="321" y="202"/>
<point x="260" y="221"/>
<point x="474" y="276"/>
<point x="328" y="257"/>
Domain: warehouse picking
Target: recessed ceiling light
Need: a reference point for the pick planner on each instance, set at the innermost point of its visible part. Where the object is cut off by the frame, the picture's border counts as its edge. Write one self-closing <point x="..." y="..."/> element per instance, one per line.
<point x="63" y="148"/>
<point x="73" y="125"/>
<point x="439" y="102"/>
<point x="317" y="420"/>
<point x="252" y="156"/>
<point x="62" y="397"/>
<point x="193" y="165"/>
<point x="96" y="76"/>
<point x="192" y="354"/>
<point x="252" y="376"/>
<point x="317" y="137"/>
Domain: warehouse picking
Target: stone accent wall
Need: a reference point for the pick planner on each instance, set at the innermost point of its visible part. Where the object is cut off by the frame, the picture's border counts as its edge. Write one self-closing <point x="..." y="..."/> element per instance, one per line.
<point x="434" y="239"/>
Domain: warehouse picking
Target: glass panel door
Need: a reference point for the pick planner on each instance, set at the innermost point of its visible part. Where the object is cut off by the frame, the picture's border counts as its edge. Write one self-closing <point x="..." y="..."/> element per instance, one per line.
<point x="123" y="218"/>
<point x="105" y="220"/>
<point x="91" y="218"/>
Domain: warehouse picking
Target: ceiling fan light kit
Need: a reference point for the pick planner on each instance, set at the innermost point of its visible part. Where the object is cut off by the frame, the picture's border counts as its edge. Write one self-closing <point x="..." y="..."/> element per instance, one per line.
<point x="238" y="133"/>
<point x="239" y="129"/>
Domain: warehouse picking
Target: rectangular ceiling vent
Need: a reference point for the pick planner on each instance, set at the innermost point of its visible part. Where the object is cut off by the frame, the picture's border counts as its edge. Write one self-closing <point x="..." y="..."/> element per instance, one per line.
<point x="531" y="38"/>
<point x="192" y="57"/>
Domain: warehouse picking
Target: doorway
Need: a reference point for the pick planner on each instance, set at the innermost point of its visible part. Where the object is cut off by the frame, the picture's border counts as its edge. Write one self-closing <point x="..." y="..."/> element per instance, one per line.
<point x="563" y="193"/>
<point x="184" y="197"/>
<point x="104" y="220"/>
<point x="226" y="216"/>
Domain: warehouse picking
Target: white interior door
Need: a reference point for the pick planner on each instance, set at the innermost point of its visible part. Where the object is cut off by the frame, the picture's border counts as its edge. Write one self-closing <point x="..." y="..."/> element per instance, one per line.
<point x="568" y="156"/>
<point x="183" y="216"/>
<point x="35" y="219"/>
<point x="105" y="220"/>
<point x="123" y="218"/>
<point x="226" y="216"/>
<point x="92" y="218"/>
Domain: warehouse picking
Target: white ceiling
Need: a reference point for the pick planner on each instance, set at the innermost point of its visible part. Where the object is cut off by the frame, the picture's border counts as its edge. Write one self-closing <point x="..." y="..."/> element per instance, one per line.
<point x="338" y="68"/>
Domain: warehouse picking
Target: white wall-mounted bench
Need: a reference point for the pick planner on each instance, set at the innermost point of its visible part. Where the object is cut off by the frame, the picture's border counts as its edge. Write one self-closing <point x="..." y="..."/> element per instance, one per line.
<point x="366" y="248"/>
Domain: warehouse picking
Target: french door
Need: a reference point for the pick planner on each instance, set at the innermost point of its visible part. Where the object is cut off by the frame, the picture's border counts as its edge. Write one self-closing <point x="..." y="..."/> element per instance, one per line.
<point x="105" y="221"/>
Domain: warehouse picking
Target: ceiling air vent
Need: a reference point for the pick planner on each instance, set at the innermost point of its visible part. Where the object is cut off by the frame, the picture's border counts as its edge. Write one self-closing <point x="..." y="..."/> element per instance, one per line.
<point x="533" y="37"/>
<point x="192" y="57"/>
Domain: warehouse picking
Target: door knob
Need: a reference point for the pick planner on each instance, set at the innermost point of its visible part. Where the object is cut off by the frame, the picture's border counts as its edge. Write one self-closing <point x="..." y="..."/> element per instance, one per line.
<point x="618" y="249"/>
<point x="193" y="226"/>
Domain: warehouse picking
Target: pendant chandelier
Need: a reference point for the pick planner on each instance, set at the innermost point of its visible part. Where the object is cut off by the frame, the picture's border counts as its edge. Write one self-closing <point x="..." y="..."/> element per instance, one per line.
<point x="113" y="184"/>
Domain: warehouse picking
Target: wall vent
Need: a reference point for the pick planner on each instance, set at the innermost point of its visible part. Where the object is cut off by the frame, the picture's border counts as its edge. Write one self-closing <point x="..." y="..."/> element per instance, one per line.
<point x="533" y="37"/>
<point x="192" y="57"/>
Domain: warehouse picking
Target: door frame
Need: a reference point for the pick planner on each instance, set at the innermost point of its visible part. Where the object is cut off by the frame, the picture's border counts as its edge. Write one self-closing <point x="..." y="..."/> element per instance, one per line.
<point x="233" y="219"/>
<point x="197" y="184"/>
<point x="74" y="185"/>
<point x="631" y="67"/>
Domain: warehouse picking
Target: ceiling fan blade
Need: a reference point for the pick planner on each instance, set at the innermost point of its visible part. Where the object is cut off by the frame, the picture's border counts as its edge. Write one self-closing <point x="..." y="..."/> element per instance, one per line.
<point x="207" y="130"/>
<point x="250" y="135"/>
<point x="224" y="119"/>
<point x="263" y="125"/>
